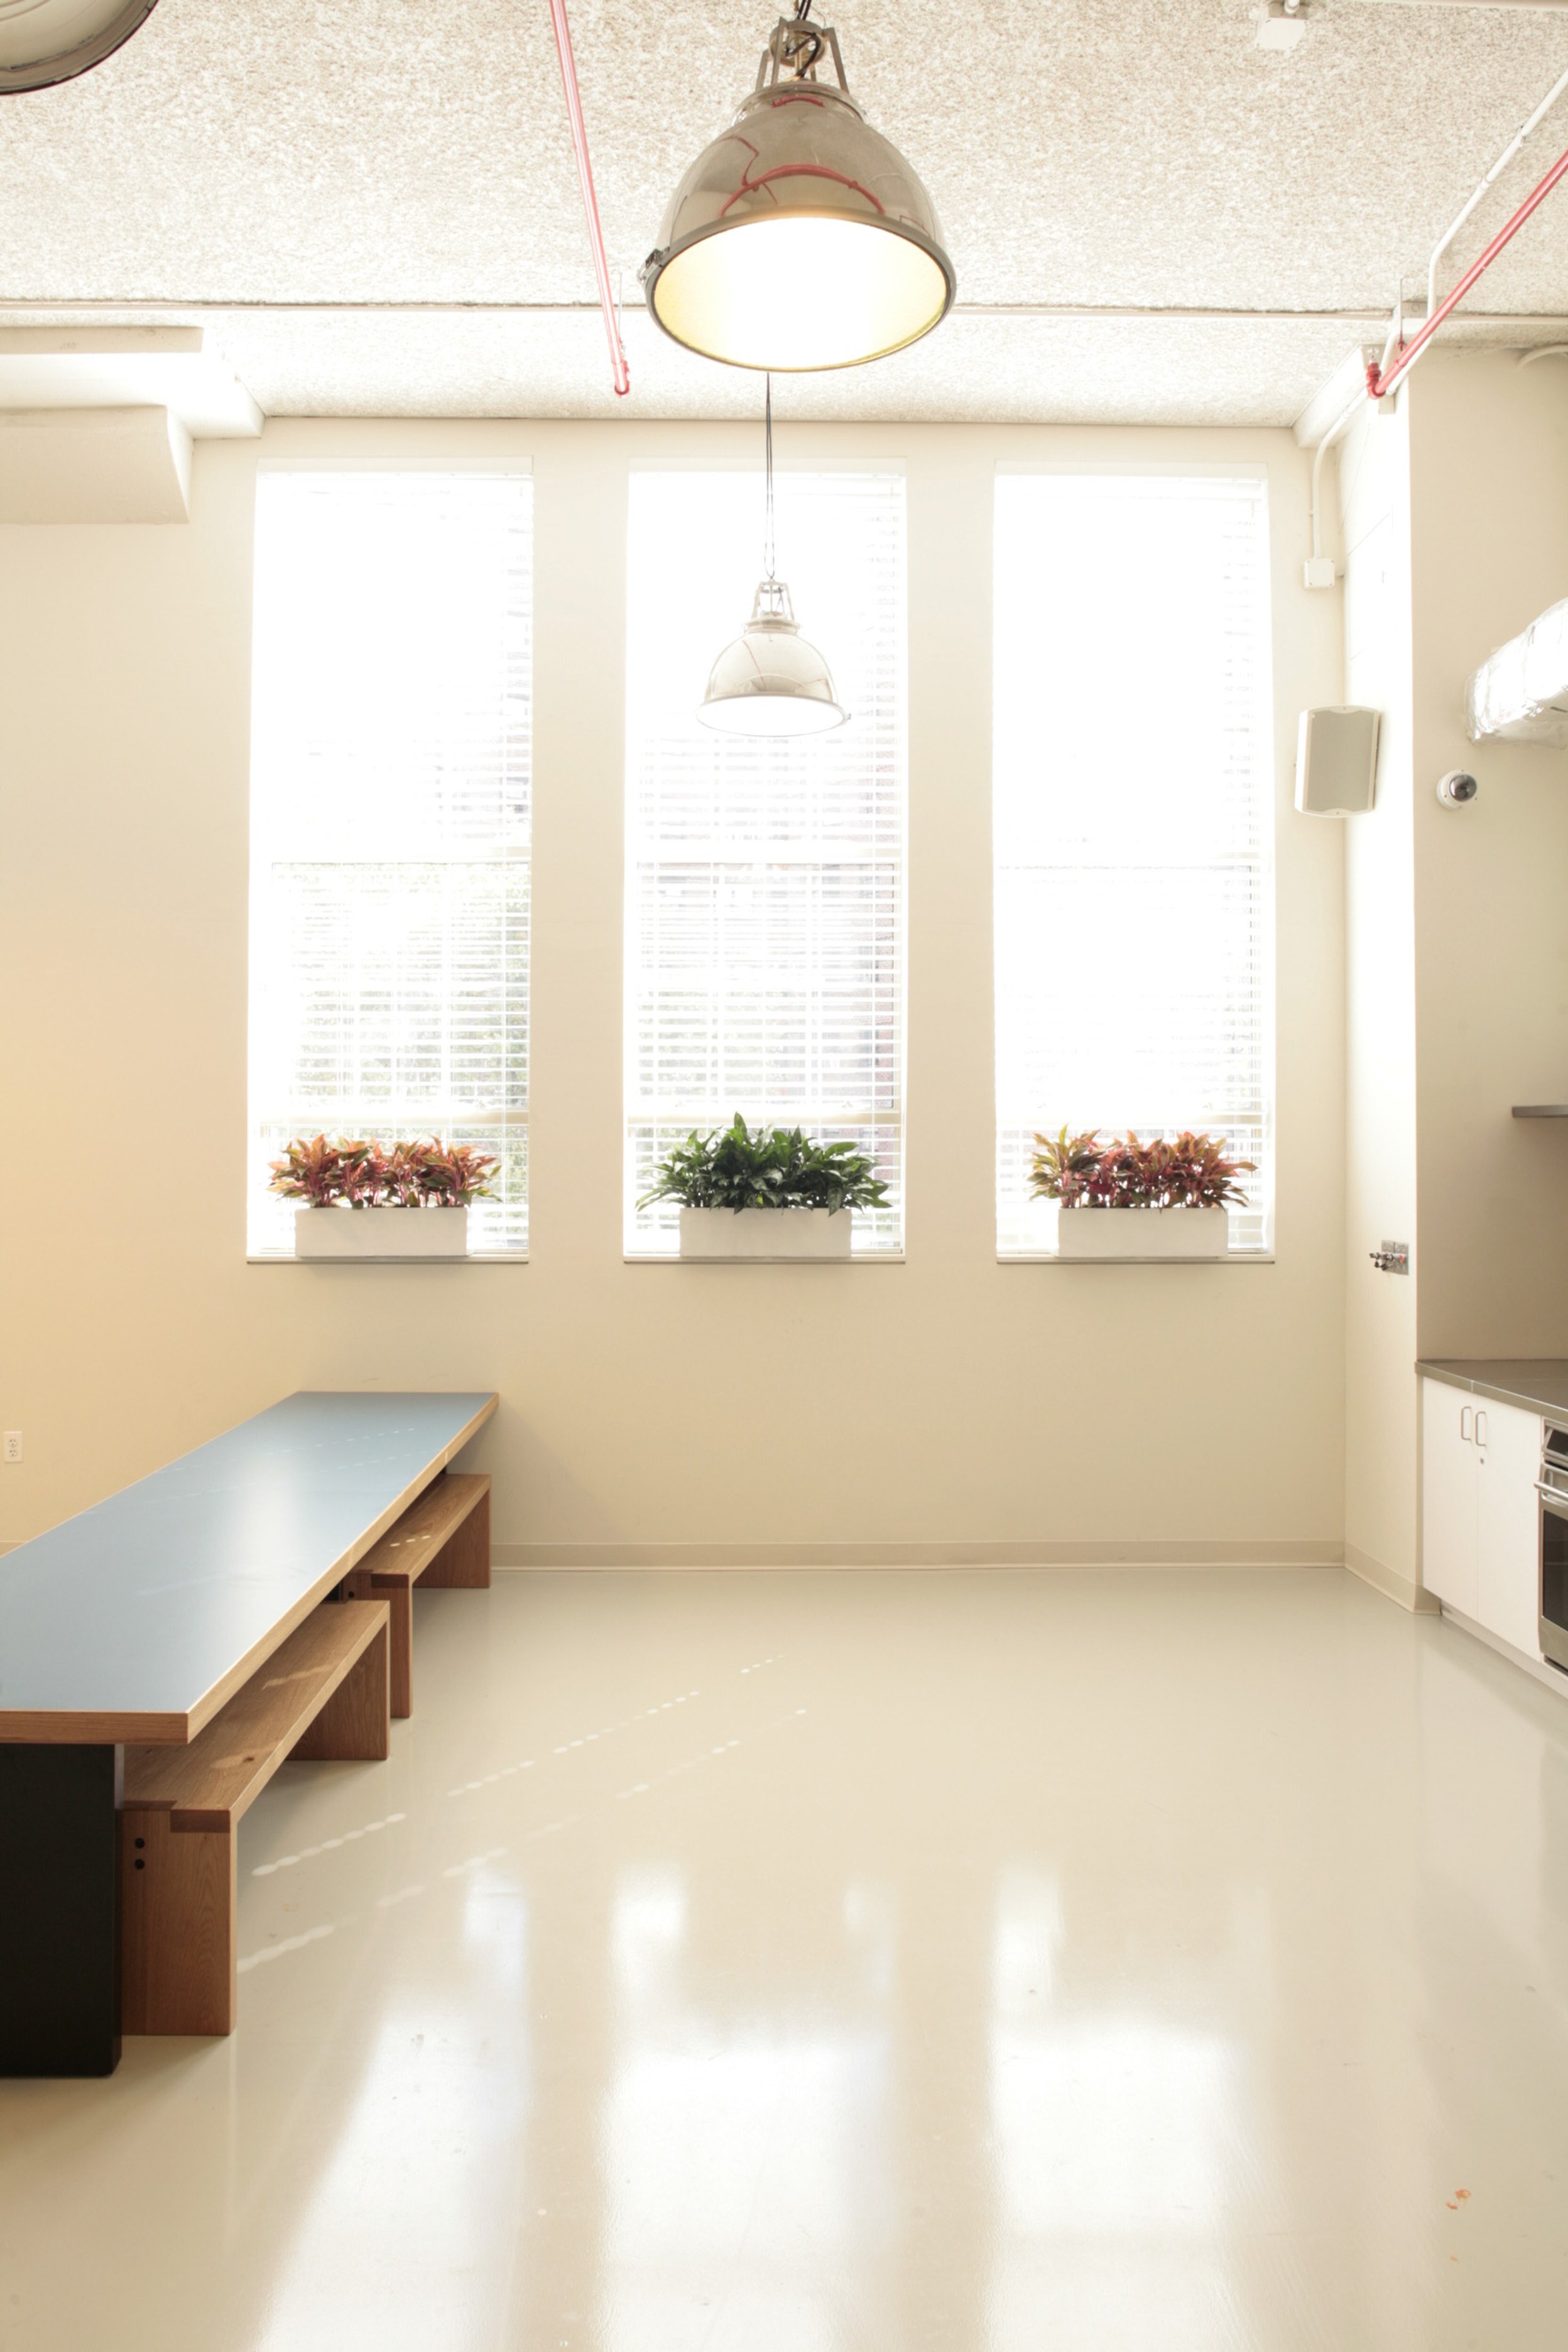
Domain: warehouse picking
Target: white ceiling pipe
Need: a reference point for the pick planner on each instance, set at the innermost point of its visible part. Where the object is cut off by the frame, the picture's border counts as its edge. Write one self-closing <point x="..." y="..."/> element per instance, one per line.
<point x="1318" y="564"/>
<point x="1317" y="560"/>
<point x="1504" y="160"/>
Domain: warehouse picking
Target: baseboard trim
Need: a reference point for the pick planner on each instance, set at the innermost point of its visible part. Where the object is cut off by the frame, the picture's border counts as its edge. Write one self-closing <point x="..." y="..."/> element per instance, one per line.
<point x="1547" y="1677"/>
<point x="1390" y="1583"/>
<point x="1263" y="1554"/>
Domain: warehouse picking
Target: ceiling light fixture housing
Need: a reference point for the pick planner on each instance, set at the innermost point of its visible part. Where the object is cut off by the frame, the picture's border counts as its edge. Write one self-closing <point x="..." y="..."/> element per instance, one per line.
<point x="43" y="42"/>
<point x="800" y="239"/>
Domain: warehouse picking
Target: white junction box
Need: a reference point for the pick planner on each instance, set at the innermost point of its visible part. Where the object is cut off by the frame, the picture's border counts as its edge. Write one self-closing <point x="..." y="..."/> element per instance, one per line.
<point x="1336" y="761"/>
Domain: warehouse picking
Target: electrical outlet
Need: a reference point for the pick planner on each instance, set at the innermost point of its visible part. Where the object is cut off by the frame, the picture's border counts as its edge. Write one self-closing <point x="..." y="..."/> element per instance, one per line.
<point x="1391" y="1258"/>
<point x="13" y="1443"/>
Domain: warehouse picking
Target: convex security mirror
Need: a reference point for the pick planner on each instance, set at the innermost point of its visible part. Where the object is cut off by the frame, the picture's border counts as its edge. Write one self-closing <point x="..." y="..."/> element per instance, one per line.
<point x="46" y="41"/>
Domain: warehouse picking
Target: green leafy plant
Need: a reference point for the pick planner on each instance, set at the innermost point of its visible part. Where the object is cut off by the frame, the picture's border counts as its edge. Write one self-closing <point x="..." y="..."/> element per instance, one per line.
<point x="737" y="1167"/>
<point x="361" y="1175"/>
<point x="1081" y="1172"/>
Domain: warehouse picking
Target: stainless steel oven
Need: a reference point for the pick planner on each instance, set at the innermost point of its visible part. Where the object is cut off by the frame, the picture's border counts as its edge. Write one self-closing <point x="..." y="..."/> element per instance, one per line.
<point x="1553" y="1489"/>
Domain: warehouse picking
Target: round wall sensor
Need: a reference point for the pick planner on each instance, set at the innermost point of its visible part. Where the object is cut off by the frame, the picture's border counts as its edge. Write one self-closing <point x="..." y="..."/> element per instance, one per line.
<point x="1456" y="788"/>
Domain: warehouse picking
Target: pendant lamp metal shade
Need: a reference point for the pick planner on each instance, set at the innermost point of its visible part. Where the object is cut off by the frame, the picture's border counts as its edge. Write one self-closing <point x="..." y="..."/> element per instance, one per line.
<point x="771" y="680"/>
<point x="46" y="41"/>
<point x="801" y="239"/>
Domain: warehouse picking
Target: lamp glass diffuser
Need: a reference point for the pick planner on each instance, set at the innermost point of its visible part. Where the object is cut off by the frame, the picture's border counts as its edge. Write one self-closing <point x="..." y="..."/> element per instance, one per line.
<point x="46" y="41"/>
<point x="800" y="238"/>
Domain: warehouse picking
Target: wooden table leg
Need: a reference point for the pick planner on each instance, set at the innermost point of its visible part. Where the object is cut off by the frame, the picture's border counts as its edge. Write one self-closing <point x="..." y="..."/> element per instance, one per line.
<point x="465" y="1558"/>
<point x="355" y="1722"/>
<point x="60" y="1916"/>
<point x="397" y="1591"/>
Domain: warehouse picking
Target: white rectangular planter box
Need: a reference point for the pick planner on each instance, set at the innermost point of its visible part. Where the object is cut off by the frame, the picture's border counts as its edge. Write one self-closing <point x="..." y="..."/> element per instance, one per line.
<point x="383" y="1233"/>
<point x="767" y="1233"/>
<point x="1142" y="1233"/>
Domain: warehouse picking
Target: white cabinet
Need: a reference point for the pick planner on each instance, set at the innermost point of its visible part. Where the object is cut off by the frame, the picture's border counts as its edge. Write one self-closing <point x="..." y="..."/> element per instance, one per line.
<point x="1480" y="1462"/>
<point x="1448" y="1498"/>
<point x="1507" y="1536"/>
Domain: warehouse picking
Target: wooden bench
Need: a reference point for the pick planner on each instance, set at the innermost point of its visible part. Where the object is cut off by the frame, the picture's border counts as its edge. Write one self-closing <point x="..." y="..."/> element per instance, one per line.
<point x="323" y="1693"/>
<point x="163" y="1619"/>
<point x="443" y="1539"/>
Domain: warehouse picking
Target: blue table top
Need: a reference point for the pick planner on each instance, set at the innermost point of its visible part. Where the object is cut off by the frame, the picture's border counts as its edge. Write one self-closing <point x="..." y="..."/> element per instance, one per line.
<point x="136" y="1620"/>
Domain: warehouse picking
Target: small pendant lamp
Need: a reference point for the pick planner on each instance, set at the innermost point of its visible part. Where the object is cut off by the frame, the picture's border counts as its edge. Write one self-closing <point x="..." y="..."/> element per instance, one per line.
<point x="46" y="41"/>
<point x="770" y="681"/>
<point x="800" y="238"/>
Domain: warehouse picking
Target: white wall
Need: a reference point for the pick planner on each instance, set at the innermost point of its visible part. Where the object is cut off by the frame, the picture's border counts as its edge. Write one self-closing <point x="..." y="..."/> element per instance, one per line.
<point x="1381" y="1428"/>
<point x="947" y="1406"/>
<point x="1456" y="514"/>
<point x="1489" y="551"/>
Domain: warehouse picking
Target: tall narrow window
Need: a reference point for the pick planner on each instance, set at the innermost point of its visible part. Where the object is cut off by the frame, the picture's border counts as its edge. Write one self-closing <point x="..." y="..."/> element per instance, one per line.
<point x="766" y="879"/>
<point x="1133" y="822"/>
<point x="390" y="823"/>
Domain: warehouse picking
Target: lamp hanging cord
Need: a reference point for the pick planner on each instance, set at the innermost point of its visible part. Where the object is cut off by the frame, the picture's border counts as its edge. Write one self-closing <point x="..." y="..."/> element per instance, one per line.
<point x="805" y="44"/>
<point x="769" y="556"/>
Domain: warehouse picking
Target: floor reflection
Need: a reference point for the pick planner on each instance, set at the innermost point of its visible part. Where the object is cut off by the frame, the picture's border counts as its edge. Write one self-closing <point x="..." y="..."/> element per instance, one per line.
<point x="1110" y="2135"/>
<point x="1095" y="1962"/>
<point x="744" y="2155"/>
<point x="427" y="2166"/>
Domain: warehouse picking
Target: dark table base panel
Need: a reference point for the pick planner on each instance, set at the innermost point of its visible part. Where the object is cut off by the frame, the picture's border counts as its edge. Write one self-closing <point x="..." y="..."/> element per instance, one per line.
<point x="59" y="1911"/>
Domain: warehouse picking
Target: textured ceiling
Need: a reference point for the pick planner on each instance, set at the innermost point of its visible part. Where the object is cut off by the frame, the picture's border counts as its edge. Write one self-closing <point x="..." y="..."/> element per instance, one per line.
<point x="1096" y="154"/>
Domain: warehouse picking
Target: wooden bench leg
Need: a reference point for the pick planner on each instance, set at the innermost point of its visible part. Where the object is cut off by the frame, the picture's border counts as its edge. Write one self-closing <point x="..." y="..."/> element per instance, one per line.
<point x="465" y="1558"/>
<point x="355" y="1721"/>
<point x="178" y="1908"/>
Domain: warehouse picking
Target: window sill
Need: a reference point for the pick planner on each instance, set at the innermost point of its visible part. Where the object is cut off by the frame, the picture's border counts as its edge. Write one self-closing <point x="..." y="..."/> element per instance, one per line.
<point x="1051" y="1257"/>
<point x="672" y="1257"/>
<point x="474" y="1257"/>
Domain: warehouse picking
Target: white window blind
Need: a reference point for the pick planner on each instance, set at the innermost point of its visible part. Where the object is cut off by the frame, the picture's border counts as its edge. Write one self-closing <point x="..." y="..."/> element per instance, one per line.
<point x="390" y="823"/>
<point x="1133" y="822"/>
<point x="766" y="879"/>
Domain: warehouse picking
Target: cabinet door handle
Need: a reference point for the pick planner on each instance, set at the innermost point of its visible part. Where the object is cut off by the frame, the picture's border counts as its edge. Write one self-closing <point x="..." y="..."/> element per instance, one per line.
<point x="1465" y="1415"/>
<point x="1480" y="1429"/>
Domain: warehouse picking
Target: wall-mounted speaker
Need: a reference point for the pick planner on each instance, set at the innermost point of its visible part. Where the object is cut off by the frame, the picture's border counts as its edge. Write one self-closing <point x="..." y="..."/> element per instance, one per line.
<point x="1336" y="761"/>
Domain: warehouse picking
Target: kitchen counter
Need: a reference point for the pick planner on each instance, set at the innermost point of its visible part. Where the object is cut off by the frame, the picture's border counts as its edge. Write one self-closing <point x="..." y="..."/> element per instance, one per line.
<point x="1539" y="1383"/>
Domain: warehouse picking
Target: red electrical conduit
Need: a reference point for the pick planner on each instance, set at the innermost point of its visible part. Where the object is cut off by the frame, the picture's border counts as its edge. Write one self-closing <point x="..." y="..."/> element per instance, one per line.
<point x="618" y="368"/>
<point x="1379" y="380"/>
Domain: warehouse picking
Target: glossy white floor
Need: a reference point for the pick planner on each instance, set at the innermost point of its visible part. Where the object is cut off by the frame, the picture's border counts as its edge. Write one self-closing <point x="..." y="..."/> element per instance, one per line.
<point x="1015" y="1961"/>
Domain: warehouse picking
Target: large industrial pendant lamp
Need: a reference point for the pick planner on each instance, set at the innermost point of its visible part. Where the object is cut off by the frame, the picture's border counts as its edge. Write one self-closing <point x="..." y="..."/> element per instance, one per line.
<point x="47" y="41"/>
<point x="770" y="681"/>
<point x="801" y="239"/>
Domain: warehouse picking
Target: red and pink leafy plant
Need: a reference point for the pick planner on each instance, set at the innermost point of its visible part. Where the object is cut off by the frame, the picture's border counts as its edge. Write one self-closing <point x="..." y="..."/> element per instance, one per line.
<point x="425" y="1174"/>
<point x="1082" y="1172"/>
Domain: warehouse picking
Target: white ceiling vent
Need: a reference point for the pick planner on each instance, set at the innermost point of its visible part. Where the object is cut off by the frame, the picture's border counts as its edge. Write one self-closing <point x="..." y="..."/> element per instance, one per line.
<point x="1521" y="693"/>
